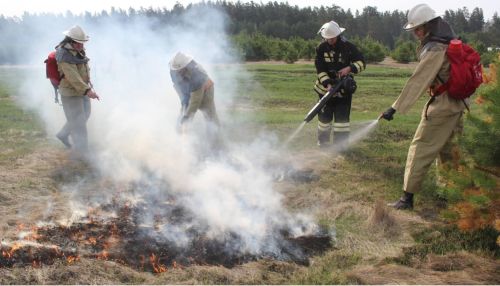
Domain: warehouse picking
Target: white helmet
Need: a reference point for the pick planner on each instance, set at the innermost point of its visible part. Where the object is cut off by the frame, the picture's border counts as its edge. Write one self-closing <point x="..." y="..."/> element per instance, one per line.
<point x="419" y="15"/>
<point x="77" y="34"/>
<point x="330" y="30"/>
<point x="180" y="61"/>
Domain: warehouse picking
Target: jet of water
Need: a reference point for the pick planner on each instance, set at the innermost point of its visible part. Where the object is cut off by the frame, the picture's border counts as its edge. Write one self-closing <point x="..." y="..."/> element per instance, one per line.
<point x="297" y="131"/>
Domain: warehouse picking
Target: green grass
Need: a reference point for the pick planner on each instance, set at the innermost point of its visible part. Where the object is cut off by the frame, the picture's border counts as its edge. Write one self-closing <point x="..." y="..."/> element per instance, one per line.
<point x="20" y="130"/>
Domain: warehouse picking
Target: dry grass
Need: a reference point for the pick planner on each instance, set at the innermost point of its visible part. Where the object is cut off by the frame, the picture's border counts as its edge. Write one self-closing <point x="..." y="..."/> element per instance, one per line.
<point x="455" y="268"/>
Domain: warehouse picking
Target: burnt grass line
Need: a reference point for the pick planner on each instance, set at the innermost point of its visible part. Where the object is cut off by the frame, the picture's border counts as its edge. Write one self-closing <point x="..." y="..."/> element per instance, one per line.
<point x="124" y="240"/>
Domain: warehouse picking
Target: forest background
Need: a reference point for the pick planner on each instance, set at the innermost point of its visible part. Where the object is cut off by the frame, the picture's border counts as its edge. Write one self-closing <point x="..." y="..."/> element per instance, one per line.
<point x="275" y="31"/>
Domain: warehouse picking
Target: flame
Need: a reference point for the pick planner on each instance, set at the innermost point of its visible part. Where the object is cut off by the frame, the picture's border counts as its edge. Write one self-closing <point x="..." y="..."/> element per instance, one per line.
<point x="36" y="264"/>
<point x="9" y="253"/>
<point x="6" y="254"/>
<point x="72" y="258"/>
<point x="34" y="234"/>
<point x="157" y="266"/>
<point x="104" y="255"/>
<point x="91" y="241"/>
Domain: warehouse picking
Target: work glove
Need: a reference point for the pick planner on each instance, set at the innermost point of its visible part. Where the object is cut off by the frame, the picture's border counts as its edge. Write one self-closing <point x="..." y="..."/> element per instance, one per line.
<point x="329" y="81"/>
<point x="388" y="114"/>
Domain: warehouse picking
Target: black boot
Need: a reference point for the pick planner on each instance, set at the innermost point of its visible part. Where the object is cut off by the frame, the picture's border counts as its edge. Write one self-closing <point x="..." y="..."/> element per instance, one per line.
<point x="324" y="138"/>
<point x="404" y="203"/>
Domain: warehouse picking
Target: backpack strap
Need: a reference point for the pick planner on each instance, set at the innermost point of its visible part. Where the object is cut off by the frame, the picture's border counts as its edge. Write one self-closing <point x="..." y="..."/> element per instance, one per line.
<point x="438" y="90"/>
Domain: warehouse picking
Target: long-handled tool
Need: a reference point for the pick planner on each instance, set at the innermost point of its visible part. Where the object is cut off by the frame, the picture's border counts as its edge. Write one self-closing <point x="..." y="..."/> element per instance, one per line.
<point x="333" y="92"/>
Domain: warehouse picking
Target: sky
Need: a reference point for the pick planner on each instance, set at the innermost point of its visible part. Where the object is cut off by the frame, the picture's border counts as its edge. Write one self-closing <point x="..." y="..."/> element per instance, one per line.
<point x="17" y="7"/>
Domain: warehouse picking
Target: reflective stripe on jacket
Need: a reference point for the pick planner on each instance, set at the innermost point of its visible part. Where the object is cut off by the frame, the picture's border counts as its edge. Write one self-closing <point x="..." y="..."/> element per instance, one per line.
<point x="330" y="59"/>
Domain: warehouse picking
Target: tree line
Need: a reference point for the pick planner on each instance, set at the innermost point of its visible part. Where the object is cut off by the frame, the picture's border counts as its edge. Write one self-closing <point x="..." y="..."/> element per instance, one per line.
<point x="284" y="32"/>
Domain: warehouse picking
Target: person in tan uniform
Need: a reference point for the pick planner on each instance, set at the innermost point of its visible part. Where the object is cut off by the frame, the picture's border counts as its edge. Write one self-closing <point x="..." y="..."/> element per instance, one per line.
<point x="441" y="118"/>
<point x="75" y="89"/>
<point x="194" y="87"/>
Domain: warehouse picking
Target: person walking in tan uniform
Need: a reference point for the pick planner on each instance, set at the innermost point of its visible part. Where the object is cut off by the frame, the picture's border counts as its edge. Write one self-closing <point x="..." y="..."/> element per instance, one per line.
<point x="75" y="89"/>
<point x="194" y="87"/>
<point x="441" y="118"/>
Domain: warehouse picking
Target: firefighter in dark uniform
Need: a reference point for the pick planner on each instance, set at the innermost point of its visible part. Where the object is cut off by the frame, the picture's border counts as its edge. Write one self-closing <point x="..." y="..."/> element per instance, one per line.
<point x="336" y="58"/>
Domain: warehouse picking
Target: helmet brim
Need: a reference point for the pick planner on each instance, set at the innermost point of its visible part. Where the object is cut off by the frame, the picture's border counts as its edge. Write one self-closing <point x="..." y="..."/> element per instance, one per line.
<point x="67" y="34"/>
<point x="175" y="67"/>
<point x="412" y="26"/>
<point x="327" y="37"/>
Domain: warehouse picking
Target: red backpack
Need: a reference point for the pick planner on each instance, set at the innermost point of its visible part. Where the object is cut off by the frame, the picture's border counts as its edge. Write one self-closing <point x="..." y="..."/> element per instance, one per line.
<point x="52" y="73"/>
<point x="51" y="69"/>
<point x="466" y="73"/>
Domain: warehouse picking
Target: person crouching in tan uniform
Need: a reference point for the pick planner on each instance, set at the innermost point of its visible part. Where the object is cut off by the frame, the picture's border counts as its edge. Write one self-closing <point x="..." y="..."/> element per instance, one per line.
<point x="194" y="87"/>
<point x="442" y="116"/>
<point x="75" y="89"/>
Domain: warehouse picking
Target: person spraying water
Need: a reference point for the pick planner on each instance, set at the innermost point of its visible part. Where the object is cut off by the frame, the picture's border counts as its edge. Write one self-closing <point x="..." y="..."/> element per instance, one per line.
<point x="355" y="136"/>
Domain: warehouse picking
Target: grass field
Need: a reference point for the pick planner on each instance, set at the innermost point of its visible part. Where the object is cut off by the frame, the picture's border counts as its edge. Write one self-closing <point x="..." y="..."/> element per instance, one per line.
<point x="349" y="196"/>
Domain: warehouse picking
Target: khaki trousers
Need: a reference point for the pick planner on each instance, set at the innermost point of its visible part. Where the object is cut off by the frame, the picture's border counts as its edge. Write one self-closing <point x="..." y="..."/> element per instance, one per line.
<point x="203" y="99"/>
<point x="433" y="138"/>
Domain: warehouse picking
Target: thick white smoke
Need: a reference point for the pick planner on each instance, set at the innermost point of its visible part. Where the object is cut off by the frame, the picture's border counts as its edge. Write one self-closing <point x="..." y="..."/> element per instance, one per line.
<point x="132" y="130"/>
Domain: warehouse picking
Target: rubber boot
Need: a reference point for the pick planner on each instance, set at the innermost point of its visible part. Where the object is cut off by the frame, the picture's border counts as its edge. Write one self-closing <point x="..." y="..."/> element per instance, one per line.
<point x="324" y="138"/>
<point x="404" y="203"/>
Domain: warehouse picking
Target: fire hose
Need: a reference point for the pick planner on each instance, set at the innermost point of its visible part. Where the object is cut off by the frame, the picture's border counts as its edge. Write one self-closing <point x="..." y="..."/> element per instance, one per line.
<point x="333" y="92"/>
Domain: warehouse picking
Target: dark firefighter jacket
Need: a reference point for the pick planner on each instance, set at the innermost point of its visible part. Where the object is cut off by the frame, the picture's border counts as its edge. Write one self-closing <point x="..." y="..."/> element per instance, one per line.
<point x="329" y="60"/>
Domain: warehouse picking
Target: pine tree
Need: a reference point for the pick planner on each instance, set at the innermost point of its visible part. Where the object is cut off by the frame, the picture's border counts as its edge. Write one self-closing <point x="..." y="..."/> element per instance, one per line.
<point x="473" y="191"/>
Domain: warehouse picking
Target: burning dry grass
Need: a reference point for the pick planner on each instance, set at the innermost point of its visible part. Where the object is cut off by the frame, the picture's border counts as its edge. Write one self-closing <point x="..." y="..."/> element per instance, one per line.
<point x="125" y="240"/>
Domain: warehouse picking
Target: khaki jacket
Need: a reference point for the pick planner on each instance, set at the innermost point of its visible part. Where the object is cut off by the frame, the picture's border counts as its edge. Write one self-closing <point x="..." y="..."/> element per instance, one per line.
<point x="432" y="68"/>
<point x="76" y="80"/>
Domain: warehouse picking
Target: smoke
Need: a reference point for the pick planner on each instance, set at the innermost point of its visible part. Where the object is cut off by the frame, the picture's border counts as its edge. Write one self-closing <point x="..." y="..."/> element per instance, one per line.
<point x="133" y="137"/>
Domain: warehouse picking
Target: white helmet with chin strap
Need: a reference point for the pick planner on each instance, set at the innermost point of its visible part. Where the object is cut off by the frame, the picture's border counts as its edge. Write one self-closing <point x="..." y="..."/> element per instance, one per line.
<point x="180" y="61"/>
<point x="77" y="34"/>
<point x="419" y="15"/>
<point x="330" y="30"/>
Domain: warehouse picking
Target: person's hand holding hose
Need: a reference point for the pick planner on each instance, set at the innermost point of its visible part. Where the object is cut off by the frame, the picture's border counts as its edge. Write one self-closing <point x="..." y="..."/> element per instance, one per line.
<point x="388" y="114"/>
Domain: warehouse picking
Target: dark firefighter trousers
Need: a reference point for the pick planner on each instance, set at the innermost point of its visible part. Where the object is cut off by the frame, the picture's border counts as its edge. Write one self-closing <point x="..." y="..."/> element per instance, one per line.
<point x="338" y="110"/>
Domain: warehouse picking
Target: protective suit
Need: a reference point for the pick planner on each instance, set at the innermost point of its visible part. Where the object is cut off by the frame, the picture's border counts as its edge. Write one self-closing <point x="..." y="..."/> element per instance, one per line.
<point x="441" y="118"/>
<point x="75" y="83"/>
<point x="196" y="91"/>
<point x="328" y="61"/>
